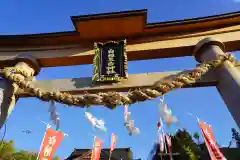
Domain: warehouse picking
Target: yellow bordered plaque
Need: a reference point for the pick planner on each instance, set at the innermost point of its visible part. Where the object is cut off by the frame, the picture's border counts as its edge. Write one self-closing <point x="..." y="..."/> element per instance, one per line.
<point x="110" y="61"/>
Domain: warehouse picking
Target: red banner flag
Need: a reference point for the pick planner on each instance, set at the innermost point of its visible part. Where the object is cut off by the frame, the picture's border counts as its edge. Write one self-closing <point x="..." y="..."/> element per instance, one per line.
<point x="169" y="143"/>
<point x="161" y="141"/>
<point x="96" y="152"/>
<point x="210" y="142"/>
<point x="51" y="142"/>
<point x="113" y="142"/>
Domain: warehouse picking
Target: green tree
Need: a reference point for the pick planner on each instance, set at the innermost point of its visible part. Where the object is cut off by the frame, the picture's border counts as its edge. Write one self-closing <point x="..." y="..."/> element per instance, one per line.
<point x="197" y="137"/>
<point x="236" y="137"/>
<point x="187" y="148"/>
<point x="8" y="152"/>
<point x="182" y="143"/>
<point x="23" y="155"/>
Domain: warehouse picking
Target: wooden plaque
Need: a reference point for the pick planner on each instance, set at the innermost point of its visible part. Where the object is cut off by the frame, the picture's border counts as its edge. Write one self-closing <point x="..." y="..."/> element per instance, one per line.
<point x="110" y="61"/>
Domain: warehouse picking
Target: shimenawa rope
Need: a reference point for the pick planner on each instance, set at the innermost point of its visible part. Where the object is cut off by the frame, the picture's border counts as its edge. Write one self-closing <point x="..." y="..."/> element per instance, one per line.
<point x="112" y="99"/>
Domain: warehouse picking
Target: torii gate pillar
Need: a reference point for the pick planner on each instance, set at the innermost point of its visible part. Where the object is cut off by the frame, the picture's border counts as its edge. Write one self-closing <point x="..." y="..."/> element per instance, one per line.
<point x="8" y="90"/>
<point x="227" y="75"/>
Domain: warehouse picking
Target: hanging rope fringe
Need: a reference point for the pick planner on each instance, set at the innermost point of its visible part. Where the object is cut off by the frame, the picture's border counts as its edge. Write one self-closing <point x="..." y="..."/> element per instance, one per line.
<point x="96" y="123"/>
<point x="54" y="116"/>
<point x="128" y="123"/>
<point x="112" y="99"/>
<point x="166" y="113"/>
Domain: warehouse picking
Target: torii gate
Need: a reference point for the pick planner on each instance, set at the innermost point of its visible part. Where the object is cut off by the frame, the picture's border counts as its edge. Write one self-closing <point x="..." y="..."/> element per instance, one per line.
<point x="206" y="38"/>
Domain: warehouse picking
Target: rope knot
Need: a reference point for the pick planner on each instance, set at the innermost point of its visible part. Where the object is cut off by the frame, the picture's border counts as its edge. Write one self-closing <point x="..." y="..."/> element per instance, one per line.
<point x="228" y="57"/>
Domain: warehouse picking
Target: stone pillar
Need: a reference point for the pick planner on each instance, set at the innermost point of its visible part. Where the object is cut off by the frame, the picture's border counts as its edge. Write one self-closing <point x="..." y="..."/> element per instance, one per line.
<point x="8" y="99"/>
<point x="227" y="75"/>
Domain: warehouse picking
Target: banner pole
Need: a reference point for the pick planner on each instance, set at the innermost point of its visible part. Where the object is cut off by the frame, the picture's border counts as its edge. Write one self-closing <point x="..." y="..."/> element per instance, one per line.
<point x="94" y="139"/>
<point x="110" y="155"/>
<point x="48" y="126"/>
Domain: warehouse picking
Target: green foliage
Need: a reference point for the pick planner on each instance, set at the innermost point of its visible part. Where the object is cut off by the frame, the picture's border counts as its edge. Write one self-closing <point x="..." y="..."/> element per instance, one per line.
<point x="197" y="137"/>
<point x="130" y="154"/>
<point x="182" y="143"/>
<point x="236" y="137"/>
<point x="8" y="152"/>
<point x="185" y="145"/>
<point x="189" y="152"/>
<point x="24" y="155"/>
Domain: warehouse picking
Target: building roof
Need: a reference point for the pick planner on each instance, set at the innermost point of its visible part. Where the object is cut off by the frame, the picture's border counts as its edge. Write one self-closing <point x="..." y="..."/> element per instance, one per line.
<point x="86" y="153"/>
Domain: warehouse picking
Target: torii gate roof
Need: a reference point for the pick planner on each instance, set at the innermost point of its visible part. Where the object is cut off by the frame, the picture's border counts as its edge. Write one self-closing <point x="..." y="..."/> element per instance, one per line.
<point x="144" y="40"/>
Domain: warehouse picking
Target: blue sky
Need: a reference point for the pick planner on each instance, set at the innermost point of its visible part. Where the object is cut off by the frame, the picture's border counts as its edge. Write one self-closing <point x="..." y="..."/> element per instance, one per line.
<point x="26" y="17"/>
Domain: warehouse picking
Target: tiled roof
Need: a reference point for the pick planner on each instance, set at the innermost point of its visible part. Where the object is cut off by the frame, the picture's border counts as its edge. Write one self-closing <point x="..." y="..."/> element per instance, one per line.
<point x="86" y="154"/>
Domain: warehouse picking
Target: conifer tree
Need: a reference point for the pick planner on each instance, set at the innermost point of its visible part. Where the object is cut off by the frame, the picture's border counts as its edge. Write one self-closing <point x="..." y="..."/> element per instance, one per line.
<point x="236" y="137"/>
